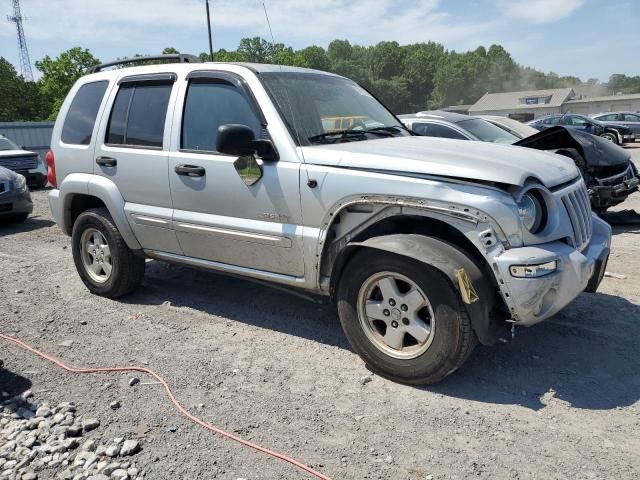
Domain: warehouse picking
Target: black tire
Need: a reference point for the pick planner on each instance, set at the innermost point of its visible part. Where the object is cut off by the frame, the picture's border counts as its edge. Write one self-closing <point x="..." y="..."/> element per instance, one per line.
<point x="453" y="336"/>
<point x="127" y="268"/>
<point x="15" y="218"/>
<point x="611" y="137"/>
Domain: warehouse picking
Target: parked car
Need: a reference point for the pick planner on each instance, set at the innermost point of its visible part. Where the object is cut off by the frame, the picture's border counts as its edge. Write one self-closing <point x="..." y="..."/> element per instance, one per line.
<point x="23" y="161"/>
<point x="609" y="174"/>
<point x="427" y="245"/>
<point x="628" y="119"/>
<point x="15" y="200"/>
<point x="614" y="132"/>
<point x="514" y="127"/>
<point x="438" y="123"/>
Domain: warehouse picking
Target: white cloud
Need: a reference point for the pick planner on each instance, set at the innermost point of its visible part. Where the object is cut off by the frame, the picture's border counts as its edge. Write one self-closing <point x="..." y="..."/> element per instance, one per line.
<point x="539" y="11"/>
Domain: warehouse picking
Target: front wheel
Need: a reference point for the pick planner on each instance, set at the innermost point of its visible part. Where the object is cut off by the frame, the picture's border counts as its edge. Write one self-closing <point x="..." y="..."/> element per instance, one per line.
<point x="403" y="317"/>
<point x="610" y="137"/>
<point x="104" y="261"/>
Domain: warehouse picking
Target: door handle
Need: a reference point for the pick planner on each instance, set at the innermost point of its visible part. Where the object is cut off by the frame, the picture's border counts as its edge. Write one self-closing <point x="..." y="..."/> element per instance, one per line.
<point x="190" y="170"/>
<point x="106" y="161"/>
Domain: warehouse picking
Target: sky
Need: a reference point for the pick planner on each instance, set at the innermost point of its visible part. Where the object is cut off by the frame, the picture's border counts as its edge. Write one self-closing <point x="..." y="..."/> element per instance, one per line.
<point x="585" y="38"/>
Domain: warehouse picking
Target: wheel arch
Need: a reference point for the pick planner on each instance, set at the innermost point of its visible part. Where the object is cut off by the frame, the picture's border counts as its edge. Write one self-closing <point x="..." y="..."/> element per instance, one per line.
<point x="467" y="275"/>
<point x="429" y="238"/>
<point x="81" y="192"/>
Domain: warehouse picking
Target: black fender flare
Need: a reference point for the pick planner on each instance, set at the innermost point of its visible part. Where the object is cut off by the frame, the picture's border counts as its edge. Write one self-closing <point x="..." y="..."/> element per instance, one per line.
<point x="449" y="259"/>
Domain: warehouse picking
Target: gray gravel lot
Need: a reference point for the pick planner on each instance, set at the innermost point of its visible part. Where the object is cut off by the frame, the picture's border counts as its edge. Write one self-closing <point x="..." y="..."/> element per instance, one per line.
<point x="559" y="402"/>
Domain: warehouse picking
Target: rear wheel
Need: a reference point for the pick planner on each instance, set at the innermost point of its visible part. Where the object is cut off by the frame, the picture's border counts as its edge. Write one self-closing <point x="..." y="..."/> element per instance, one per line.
<point x="403" y="317"/>
<point x="105" y="264"/>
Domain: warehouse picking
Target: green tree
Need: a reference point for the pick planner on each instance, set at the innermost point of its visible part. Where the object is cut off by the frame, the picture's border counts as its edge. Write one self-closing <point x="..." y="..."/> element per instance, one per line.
<point x="20" y="100"/>
<point x="59" y="75"/>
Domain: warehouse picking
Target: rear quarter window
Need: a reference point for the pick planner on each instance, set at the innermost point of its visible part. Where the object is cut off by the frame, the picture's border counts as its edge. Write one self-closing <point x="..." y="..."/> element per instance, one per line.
<point x="81" y="117"/>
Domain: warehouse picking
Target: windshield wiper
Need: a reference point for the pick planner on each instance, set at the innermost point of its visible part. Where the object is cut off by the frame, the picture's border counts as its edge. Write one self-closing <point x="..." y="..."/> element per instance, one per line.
<point x="390" y="129"/>
<point x="380" y="131"/>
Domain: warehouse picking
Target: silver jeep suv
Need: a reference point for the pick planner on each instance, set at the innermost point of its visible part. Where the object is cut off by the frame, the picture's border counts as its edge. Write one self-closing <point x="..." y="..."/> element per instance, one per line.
<point x="302" y="178"/>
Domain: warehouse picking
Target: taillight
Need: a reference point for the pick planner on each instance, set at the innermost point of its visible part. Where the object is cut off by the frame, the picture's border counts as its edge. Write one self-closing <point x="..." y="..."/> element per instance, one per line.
<point x="51" y="169"/>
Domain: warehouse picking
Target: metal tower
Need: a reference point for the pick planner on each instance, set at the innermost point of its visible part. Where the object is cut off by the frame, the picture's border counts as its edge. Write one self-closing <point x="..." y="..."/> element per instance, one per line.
<point x="25" y="62"/>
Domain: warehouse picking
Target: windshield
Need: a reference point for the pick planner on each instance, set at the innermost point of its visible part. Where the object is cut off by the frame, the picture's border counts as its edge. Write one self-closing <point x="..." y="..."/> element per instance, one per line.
<point x="323" y="109"/>
<point x="6" y="144"/>
<point x="487" y="132"/>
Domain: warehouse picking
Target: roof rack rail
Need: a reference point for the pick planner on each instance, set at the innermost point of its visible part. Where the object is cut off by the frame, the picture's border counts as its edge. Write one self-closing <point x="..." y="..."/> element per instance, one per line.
<point x="169" y="58"/>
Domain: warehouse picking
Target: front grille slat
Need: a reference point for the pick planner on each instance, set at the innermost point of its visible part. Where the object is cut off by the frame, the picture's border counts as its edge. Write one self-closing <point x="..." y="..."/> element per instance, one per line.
<point x="576" y="203"/>
<point x="19" y="163"/>
<point x="586" y="210"/>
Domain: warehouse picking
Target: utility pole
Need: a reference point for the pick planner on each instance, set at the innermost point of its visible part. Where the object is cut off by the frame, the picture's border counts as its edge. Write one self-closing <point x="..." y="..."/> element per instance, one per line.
<point x="209" y="30"/>
<point x="25" y="62"/>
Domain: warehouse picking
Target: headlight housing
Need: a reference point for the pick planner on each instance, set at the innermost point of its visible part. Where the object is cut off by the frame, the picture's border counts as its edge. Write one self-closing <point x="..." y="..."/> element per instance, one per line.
<point x="532" y="210"/>
<point x="20" y="184"/>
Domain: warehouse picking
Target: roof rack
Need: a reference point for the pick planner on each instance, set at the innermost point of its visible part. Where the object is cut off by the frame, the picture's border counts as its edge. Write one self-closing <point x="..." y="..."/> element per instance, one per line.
<point x="169" y="58"/>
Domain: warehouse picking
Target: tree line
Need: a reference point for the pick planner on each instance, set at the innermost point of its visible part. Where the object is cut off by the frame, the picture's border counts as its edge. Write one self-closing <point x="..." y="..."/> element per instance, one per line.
<point x="407" y="78"/>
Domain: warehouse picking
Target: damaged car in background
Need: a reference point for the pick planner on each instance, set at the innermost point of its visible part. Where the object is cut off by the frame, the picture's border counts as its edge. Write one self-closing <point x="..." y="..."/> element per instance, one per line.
<point x="607" y="169"/>
<point x="427" y="245"/>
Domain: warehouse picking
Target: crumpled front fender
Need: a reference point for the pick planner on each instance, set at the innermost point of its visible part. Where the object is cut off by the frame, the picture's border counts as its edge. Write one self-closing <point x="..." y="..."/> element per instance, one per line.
<point x="466" y="275"/>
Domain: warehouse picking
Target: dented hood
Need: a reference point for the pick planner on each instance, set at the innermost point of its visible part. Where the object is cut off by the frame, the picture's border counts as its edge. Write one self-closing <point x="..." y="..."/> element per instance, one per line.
<point x="596" y="151"/>
<point x="448" y="158"/>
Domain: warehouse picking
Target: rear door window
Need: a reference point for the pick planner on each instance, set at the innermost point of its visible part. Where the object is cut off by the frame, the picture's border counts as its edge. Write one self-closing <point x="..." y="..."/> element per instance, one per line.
<point x="81" y="117"/>
<point x="551" y="121"/>
<point x="607" y="118"/>
<point x="138" y="115"/>
<point x="437" y="130"/>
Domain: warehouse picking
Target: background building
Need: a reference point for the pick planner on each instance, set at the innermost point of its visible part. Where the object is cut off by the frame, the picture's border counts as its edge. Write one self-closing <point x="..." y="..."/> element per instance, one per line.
<point x="33" y="136"/>
<point x="532" y="104"/>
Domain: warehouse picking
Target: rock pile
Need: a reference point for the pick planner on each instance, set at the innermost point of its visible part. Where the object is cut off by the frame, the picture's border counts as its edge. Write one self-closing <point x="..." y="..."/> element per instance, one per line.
<point x="40" y="439"/>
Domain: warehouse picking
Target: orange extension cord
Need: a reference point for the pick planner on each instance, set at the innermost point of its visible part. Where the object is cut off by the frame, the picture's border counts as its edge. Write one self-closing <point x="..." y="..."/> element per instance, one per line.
<point x="179" y="407"/>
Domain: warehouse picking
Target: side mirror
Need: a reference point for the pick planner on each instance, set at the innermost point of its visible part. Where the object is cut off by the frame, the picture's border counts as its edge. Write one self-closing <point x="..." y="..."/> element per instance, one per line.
<point x="239" y="140"/>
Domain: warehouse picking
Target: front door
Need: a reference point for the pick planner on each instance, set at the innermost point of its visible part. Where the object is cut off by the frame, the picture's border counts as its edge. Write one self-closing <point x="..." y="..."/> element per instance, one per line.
<point x="236" y="211"/>
<point x="133" y="152"/>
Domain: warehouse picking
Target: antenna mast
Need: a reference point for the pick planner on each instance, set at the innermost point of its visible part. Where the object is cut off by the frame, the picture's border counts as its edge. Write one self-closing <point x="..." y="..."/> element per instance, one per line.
<point x="209" y="30"/>
<point x="25" y="62"/>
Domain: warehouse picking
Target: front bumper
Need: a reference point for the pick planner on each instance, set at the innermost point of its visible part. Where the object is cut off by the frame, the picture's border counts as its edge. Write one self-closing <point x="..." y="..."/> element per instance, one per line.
<point x="15" y="203"/>
<point x="606" y="192"/>
<point x="35" y="176"/>
<point x="531" y="300"/>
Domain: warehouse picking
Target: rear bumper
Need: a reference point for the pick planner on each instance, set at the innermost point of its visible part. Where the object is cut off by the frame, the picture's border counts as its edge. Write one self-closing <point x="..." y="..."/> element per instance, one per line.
<point x="532" y="300"/>
<point x="56" y="208"/>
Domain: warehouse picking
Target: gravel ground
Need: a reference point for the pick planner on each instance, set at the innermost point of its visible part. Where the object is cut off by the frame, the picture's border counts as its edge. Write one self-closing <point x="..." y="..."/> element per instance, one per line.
<point x="561" y="401"/>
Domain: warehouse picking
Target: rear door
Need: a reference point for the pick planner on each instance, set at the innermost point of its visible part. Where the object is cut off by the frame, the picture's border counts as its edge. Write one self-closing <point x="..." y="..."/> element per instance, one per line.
<point x="133" y="154"/>
<point x="632" y="120"/>
<point x="225" y="210"/>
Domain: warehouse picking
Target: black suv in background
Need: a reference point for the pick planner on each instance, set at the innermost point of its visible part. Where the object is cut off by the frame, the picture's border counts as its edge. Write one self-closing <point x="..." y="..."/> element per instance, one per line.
<point x="618" y="134"/>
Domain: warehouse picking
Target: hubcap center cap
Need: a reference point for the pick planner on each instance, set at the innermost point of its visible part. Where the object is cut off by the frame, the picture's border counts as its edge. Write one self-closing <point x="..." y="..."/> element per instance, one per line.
<point x="395" y="314"/>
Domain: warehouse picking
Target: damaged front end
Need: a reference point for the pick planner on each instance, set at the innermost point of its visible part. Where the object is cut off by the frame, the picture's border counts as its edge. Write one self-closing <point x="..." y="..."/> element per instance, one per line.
<point x="607" y="169"/>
